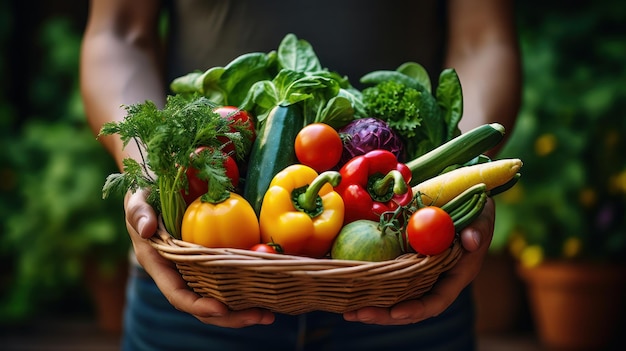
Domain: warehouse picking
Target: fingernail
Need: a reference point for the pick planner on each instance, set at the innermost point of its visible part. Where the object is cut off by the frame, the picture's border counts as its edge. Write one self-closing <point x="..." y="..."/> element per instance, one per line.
<point x="141" y="224"/>
<point x="399" y="315"/>
<point x="476" y="237"/>
<point x="249" y="322"/>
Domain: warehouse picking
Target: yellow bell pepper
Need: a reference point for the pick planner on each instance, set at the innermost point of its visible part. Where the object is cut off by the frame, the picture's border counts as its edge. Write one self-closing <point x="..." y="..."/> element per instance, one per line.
<point x="301" y="212"/>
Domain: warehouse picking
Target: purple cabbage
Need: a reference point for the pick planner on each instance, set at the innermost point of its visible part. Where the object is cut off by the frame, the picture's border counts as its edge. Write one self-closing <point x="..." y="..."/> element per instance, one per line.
<point x="366" y="134"/>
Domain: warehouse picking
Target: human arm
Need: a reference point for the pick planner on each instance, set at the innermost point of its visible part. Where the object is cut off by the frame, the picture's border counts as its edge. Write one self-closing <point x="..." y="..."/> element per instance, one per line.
<point x="482" y="48"/>
<point x="121" y="64"/>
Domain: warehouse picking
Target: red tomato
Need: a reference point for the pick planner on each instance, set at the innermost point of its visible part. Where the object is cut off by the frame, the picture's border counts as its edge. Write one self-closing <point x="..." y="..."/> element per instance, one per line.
<point x="430" y="230"/>
<point x="269" y="248"/>
<point x="198" y="187"/>
<point x="318" y="146"/>
<point x="235" y="115"/>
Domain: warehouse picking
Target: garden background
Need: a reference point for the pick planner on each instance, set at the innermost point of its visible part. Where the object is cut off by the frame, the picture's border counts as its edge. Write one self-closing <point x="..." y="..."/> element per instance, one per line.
<point x="54" y="224"/>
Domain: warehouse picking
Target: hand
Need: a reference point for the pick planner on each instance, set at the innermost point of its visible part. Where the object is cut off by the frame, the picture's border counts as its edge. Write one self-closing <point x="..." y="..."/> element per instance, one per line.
<point x="141" y="222"/>
<point x="476" y="240"/>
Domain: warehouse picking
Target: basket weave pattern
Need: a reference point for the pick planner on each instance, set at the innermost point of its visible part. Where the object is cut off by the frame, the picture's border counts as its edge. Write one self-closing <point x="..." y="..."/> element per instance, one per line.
<point x="293" y="284"/>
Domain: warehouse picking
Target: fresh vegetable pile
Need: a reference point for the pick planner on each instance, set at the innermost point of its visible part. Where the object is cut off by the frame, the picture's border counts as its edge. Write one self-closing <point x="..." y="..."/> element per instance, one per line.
<point x="275" y="153"/>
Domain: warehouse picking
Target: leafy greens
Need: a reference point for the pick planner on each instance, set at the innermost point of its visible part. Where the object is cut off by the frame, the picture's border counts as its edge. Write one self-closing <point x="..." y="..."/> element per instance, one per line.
<point x="257" y="82"/>
<point x="403" y="98"/>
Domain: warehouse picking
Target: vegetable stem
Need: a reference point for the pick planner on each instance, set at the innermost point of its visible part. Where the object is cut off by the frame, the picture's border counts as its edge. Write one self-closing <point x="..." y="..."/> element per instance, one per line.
<point x="308" y="199"/>
<point x="172" y="203"/>
<point x="394" y="180"/>
<point x="143" y="160"/>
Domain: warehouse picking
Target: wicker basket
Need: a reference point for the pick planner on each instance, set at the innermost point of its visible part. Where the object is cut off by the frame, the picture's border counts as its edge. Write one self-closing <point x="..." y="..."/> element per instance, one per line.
<point x="293" y="285"/>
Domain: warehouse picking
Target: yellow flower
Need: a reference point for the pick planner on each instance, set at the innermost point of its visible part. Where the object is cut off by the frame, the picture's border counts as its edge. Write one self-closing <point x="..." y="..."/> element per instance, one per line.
<point x="517" y="243"/>
<point x="531" y="256"/>
<point x="545" y="144"/>
<point x="618" y="183"/>
<point x="572" y="247"/>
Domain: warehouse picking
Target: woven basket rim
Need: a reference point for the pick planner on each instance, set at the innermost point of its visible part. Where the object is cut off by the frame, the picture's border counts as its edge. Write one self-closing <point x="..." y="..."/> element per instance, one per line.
<point x="290" y="284"/>
<point x="190" y="252"/>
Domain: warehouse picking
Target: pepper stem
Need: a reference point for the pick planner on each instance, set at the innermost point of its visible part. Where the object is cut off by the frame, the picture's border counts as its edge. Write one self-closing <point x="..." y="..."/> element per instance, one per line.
<point x="308" y="199"/>
<point x="392" y="181"/>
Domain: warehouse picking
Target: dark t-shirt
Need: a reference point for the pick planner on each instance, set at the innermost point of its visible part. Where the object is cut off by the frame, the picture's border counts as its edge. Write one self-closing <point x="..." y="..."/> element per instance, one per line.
<point x="351" y="37"/>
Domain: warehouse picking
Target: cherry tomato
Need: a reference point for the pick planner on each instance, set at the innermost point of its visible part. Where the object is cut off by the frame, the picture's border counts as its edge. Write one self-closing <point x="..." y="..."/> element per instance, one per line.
<point x="235" y="115"/>
<point x="198" y="187"/>
<point x="269" y="248"/>
<point x="430" y="230"/>
<point x="318" y="146"/>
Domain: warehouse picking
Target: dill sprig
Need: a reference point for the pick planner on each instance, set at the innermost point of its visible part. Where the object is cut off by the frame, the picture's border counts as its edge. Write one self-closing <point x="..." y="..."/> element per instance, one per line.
<point x="166" y="138"/>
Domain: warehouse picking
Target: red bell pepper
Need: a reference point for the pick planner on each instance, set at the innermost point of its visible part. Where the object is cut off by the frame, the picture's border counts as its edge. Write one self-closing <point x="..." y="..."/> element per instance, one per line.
<point x="372" y="184"/>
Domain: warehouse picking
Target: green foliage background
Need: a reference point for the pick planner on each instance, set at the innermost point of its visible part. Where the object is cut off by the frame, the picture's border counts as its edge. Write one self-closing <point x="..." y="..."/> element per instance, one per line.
<point x="52" y="169"/>
<point x="571" y="135"/>
<point x="52" y="216"/>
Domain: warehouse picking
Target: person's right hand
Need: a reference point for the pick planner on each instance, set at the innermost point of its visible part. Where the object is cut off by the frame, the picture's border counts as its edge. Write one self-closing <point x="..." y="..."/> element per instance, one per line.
<point x="141" y="222"/>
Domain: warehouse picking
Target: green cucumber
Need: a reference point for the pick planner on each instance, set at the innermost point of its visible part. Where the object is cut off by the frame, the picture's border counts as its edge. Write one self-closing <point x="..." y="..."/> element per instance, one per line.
<point x="459" y="150"/>
<point x="272" y="151"/>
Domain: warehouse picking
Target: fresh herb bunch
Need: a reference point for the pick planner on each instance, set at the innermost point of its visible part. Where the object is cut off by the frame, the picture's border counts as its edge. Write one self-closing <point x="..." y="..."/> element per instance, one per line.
<point x="166" y="138"/>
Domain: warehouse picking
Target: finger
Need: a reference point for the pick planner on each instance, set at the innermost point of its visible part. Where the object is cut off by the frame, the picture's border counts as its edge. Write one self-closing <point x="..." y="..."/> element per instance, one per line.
<point x="141" y="222"/>
<point x="433" y="303"/>
<point x="437" y="300"/>
<point x="140" y="216"/>
<point x="207" y="310"/>
<point x="449" y="285"/>
<point x="401" y="314"/>
<point x="447" y="288"/>
<point x="411" y="311"/>
<point x="175" y="289"/>
<point x="480" y="232"/>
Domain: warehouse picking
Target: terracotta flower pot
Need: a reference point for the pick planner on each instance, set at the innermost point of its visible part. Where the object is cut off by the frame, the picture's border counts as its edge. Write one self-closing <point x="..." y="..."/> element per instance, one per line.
<point x="108" y="291"/>
<point x="577" y="306"/>
<point x="498" y="295"/>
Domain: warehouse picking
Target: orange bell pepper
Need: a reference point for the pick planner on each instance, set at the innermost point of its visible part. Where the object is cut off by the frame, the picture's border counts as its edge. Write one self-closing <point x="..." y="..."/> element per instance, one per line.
<point x="228" y="223"/>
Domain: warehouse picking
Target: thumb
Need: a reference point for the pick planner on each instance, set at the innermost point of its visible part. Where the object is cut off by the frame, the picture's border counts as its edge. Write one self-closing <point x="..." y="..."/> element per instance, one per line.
<point x="479" y="233"/>
<point x="140" y="216"/>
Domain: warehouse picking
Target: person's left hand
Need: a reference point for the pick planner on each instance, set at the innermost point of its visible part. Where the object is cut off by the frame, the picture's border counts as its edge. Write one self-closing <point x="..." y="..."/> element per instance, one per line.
<point x="476" y="239"/>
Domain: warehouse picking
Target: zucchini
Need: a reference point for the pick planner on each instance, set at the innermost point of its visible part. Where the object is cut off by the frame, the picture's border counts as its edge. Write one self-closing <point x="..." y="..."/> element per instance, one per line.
<point x="459" y="150"/>
<point x="272" y="151"/>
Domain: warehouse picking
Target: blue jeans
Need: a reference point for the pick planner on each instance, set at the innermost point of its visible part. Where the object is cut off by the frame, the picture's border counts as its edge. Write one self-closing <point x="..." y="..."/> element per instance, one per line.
<point x="151" y="323"/>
